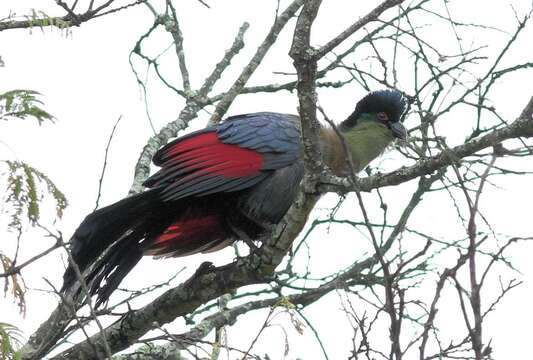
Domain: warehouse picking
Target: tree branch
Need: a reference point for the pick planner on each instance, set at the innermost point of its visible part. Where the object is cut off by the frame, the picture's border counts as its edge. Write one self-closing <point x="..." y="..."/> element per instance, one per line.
<point x="522" y="127"/>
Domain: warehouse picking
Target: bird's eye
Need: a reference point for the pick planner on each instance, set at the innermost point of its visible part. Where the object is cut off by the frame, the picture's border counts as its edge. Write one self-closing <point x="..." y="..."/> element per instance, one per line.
<point x="383" y="117"/>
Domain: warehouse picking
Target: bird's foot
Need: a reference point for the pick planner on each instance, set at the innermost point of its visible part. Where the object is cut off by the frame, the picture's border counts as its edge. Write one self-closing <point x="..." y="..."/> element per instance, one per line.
<point x="251" y="245"/>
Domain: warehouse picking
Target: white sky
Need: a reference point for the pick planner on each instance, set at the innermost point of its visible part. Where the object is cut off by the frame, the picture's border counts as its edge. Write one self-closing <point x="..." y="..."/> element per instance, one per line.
<point x="87" y="83"/>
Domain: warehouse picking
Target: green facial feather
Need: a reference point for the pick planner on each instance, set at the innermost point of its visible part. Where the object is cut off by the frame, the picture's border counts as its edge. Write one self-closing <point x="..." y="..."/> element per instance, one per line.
<point x="367" y="140"/>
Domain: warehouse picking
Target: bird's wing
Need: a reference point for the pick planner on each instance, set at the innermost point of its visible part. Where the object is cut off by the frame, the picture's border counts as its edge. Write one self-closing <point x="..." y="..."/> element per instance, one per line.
<point x="232" y="156"/>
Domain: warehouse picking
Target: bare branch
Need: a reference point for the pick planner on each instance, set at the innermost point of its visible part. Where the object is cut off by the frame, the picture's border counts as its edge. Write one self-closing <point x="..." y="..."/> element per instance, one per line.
<point x="249" y="69"/>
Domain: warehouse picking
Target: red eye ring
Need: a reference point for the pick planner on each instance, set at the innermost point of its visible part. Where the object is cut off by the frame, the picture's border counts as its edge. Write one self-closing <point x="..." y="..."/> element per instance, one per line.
<point x="383" y="117"/>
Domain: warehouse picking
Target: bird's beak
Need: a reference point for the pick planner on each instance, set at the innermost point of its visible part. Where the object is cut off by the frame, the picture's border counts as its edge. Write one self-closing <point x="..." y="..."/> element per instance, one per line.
<point x="398" y="130"/>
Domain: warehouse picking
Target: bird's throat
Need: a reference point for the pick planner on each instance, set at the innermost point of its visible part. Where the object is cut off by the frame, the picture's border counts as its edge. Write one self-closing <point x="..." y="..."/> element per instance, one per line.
<point x="365" y="142"/>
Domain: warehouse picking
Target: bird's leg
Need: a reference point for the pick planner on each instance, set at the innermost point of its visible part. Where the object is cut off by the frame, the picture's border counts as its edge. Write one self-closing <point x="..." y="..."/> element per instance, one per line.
<point x="244" y="237"/>
<point x="250" y="244"/>
<point x="254" y="256"/>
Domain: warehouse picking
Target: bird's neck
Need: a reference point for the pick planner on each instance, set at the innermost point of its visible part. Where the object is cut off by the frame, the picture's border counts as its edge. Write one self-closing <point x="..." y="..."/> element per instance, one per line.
<point x="365" y="142"/>
<point x="333" y="151"/>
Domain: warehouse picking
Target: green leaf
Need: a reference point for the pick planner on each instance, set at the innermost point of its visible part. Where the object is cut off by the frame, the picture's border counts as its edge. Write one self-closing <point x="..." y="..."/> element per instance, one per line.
<point x="23" y="104"/>
<point x="26" y="187"/>
<point x="10" y="341"/>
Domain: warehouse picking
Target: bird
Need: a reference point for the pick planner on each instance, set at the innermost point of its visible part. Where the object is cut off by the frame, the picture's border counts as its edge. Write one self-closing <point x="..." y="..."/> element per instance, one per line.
<point x="231" y="181"/>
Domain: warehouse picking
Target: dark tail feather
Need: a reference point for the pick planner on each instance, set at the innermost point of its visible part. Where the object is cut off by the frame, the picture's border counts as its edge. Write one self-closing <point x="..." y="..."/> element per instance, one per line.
<point x="121" y="227"/>
<point x="114" y="266"/>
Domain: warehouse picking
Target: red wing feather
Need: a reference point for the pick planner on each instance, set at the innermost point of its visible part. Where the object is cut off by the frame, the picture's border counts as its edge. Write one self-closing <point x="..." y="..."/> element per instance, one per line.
<point x="193" y="165"/>
<point x="189" y="235"/>
<point x="208" y="147"/>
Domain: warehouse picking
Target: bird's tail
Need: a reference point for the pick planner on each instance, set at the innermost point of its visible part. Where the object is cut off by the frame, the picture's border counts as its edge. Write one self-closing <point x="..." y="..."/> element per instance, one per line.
<point x="110" y="241"/>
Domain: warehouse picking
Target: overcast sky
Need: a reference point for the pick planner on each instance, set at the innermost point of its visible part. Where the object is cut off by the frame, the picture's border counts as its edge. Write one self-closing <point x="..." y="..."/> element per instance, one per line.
<point x="87" y="83"/>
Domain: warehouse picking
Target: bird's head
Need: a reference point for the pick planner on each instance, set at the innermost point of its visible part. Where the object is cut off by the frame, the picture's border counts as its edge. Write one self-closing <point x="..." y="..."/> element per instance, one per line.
<point x="374" y="124"/>
<point x="384" y="107"/>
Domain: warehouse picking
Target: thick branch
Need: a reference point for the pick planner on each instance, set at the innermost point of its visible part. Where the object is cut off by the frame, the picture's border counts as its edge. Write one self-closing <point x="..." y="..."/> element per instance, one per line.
<point x="306" y="67"/>
<point x="207" y="284"/>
